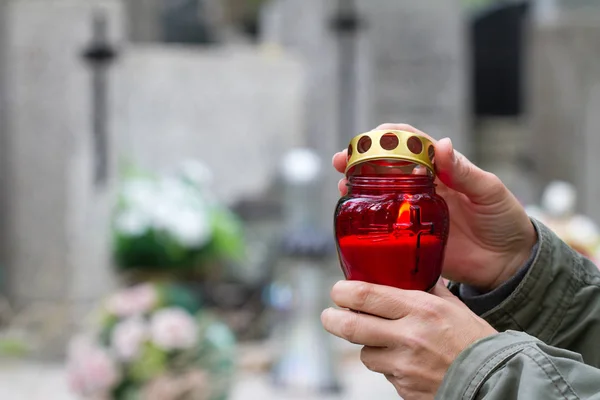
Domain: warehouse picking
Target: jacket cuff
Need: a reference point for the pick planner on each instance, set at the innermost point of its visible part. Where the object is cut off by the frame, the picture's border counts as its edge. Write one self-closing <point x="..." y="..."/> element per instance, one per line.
<point x="482" y="302"/>
<point x="474" y="365"/>
<point x="541" y="300"/>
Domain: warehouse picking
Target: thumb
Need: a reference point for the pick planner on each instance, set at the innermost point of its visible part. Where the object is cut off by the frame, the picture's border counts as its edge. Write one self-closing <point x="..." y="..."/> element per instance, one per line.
<point x="460" y="174"/>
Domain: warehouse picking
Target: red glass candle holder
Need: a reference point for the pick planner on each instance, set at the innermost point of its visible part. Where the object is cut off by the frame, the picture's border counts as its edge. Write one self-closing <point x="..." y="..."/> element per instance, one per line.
<point x="391" y="228"/>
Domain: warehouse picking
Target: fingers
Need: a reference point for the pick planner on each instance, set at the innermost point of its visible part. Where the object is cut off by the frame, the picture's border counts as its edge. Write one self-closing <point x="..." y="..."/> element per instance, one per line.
<point x="357" y="328"/>
<point x="342" y="186"/>
<point x="382" y="301"/>
<point x="377" y="359"/>
<point x="453" y="169"/>
<point x="440" y="290"/>
<point x="340" y="161"/>
<point x="459" y="174"/>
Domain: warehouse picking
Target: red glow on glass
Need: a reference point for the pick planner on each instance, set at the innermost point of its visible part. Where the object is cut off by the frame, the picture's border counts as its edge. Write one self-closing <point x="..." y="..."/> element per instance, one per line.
<point x="392" y="230"/>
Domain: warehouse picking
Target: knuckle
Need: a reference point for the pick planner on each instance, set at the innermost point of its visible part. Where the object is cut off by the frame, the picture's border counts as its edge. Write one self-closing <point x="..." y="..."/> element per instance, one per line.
<point x="349" y="327"/>
<point x="366" y="357"/>
<point x="399" y="371"/>
<point x="495" y="182"/>
<point x="363" y="292"/>
<point x="433" y="310"/>
<point x="412" y="340"/>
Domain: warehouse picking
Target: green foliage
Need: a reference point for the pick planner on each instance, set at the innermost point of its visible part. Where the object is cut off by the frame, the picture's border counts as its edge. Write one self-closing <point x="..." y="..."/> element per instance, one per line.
<point x="172" y="223"/>
<point x="10" y="347"/>
<point x="174" y="296"/>
<point x="152" y="363"/>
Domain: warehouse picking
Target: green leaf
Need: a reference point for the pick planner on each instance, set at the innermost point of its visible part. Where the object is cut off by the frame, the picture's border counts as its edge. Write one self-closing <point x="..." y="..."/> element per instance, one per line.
<point x="13" y="347"/>
<point x="107" y="325"/>
<point x="150" y="364"/>
<point x="228" y="235"/>
<point x="127" y="391"/>
<point x="173" y="295"/>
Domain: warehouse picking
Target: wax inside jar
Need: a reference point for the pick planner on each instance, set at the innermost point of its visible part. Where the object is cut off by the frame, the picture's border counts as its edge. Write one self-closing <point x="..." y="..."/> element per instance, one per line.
<point x="392" y="261"/>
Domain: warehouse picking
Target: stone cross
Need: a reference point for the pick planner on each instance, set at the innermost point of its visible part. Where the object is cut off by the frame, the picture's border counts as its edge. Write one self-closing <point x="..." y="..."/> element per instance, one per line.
<point x="59" y="219"/>
<point x="99" y="55"/>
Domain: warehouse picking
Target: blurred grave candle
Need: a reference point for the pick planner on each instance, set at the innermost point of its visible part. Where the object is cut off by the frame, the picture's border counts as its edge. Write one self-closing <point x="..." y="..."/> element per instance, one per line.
<point x="558" y="212"/>
<point x="305" y="361"/>
<point x="300" y="173"/>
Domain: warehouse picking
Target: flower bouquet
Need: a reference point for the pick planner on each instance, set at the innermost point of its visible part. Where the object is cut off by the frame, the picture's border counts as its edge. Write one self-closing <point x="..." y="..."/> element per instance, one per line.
<point x="173" y="223"/>
<point x="152" y="342"/>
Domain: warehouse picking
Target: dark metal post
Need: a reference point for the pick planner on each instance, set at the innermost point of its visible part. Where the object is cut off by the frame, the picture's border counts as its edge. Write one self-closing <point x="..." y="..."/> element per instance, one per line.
<point x="346" y="24"/>
<point x="99" y="56"/>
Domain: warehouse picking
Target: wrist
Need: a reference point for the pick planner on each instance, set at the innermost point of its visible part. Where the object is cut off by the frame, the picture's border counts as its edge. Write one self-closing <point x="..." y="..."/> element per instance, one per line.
<point x="517" y="258"/>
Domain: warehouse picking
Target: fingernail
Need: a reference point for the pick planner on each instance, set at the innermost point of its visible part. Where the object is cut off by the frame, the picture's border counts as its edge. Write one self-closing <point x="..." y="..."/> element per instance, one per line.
<point x="452" y="153"/>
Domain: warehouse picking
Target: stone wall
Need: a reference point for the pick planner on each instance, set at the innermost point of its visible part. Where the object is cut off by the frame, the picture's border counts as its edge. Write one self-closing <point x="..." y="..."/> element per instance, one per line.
<point x="564" y="75"/>
<point x="236" y="109"/>
<point x="58" y="232"/>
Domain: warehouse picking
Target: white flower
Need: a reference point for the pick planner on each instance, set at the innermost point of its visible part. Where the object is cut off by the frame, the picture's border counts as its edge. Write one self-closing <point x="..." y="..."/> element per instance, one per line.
<point x="90" y="370"/>
<point x="173" y="328"/>
<point x="140" y="193"/>
<point x="133" y="301"/>
<point x="132" y="223"/>
<point x="191" y="228"/>
<point x="175" y="192"/>
<point x="127" y="338"/>
<point x="196" y="172"/>
<point x="583" y="231"/>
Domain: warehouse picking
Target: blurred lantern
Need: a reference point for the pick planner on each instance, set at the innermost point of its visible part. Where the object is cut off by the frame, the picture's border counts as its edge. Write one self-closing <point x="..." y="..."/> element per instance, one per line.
<point x="306" y="361"/>
<point x="557" y="211"/>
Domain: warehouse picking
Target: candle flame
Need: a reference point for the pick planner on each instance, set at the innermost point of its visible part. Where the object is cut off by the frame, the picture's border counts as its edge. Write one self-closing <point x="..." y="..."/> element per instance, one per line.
<point x="404" y="213"/>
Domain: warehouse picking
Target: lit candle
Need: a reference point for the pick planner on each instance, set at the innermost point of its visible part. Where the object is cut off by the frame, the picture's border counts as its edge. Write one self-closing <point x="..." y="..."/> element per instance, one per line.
<point x="392" y="227"/>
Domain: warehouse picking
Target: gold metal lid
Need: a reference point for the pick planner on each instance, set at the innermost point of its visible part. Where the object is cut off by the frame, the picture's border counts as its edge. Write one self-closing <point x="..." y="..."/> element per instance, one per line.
<point x="391" y="145"/>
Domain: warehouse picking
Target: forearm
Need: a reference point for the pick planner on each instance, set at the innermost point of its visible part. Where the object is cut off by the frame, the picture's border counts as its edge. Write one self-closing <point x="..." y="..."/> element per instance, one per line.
<point x="556" y="299"/>
<point x="516" y="366"/>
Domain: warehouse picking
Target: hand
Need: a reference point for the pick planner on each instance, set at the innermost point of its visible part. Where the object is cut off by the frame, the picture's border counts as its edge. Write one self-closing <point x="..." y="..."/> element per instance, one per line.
<point x="491" y="236"/>
<point x="411" y="337"/>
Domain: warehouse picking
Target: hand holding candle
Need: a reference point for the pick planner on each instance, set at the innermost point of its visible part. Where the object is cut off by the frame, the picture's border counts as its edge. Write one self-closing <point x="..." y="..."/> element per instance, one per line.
<point x="490" y="237"/>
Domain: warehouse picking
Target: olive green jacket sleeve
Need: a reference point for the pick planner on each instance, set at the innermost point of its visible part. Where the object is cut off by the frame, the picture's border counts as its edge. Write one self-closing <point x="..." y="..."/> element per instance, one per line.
<point x="549" y="341"/>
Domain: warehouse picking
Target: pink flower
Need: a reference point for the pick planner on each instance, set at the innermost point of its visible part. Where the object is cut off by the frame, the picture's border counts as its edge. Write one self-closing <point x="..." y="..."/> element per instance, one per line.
<point x="173" y="328"/>
<point x="133" y="301"/>
<point x="127" y="338"/>
<point x="90" y="369"/>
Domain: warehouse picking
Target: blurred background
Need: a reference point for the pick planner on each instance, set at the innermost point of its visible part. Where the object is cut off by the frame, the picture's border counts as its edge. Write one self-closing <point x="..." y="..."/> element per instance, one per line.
<point x="166" y="195"/>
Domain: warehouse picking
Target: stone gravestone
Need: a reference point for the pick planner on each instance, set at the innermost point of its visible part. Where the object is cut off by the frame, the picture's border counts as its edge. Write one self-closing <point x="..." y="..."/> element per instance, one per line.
<point x="303" y="28"/>
<point x="61" y="174"/>
<point x="564" y="71"/>
<point x="4" y="165"/>
<point x="411" y="66"/>
<point x="411" y="63"/>
<point x="144" y="20"/>
<point x="235" y="109"/>
<point x="418" y="72"/>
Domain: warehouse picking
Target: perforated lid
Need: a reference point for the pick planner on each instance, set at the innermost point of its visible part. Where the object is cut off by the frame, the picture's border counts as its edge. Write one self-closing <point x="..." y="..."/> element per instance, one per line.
<point x="391" y="145"/>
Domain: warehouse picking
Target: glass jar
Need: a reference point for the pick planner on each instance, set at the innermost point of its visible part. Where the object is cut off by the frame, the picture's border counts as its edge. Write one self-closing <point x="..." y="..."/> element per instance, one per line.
<point x="392" y="228"/>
